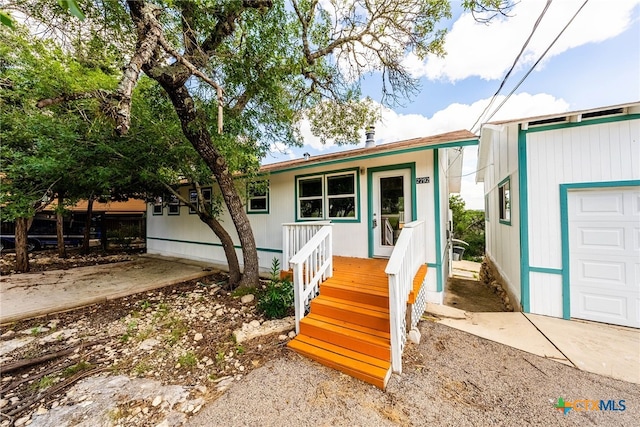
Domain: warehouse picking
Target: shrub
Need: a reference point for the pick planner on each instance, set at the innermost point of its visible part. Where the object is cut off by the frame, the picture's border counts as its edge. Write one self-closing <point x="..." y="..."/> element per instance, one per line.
<point x="276" y="301"/>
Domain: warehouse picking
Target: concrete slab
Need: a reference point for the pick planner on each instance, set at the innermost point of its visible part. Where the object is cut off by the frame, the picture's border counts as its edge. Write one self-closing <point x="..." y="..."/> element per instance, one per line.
<point x="613" y="351"/>
<point x="24" y="296"/>
<point x="512" y="329"/>
<point x="445" y="311"/>
<point x="470" y="266"/>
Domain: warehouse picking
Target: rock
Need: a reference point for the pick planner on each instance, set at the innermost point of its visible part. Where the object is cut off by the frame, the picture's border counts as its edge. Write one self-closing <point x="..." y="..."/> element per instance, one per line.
<point x="219" y="312"/>
<point x="282" y="337"/>
<point x="3" y="403"/>
<point x="254" y="324"/>
<point x="250" y="330"/>
<point x="42" y="410"/>
<point x="156" y="401"/>
<point x="9" y="346"/>
<point x="148" y="344"/>
<point x="246" y="299"/>
<point x="60" y="335"/>
<point x="198" y="337"/>
<point x="22" y="421"/>
<point x="292" y="334"/>
<point x="35" y="331"/>
<point x="414" y="336"/>
<point x="8" y="334"/>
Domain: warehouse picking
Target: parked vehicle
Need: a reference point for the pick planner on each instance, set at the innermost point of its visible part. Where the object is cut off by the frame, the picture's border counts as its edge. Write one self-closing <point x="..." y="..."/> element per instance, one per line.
<point x="42" y="234"/>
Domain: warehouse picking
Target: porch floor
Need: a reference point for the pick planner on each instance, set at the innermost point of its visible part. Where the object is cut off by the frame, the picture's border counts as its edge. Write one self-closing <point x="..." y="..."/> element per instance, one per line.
<point x="347" y="327"/>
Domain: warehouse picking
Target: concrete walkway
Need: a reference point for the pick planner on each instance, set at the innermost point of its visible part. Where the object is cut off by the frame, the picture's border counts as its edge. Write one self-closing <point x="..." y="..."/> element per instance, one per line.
<point x="607" y="350"/>
<point x="24" y="296"/>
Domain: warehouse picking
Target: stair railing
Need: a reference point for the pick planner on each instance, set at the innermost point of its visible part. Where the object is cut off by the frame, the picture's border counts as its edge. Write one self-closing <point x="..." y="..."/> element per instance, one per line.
<point x="295" y="235"/>
<point x="408" y="255"/>
<point x="312" y="265"/>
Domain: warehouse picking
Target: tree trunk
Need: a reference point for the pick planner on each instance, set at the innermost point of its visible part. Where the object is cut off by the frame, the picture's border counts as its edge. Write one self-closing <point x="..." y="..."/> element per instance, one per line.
<point x="62" y="250"/>
<point x="227" y="245"/>
<point x="22" y="254"/>
<point x="87" y="227"/>
<point x="194" y="128"/>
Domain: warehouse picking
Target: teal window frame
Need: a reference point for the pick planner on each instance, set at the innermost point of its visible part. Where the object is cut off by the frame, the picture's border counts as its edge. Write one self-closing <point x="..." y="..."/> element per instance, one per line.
<point x="158" y="203"/>
<point x="504" y="206"/>
<point x="254" y="197"/>
<point x="326" y="198"/>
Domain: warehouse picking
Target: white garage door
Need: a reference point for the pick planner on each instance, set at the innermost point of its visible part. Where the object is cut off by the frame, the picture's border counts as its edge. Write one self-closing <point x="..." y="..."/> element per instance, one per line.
<point x="604" y="248"/>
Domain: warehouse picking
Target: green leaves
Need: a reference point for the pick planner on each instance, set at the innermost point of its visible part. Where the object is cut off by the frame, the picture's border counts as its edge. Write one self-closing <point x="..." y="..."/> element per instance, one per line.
<point x="5" y="19"/>
<point x="72" y="7"/>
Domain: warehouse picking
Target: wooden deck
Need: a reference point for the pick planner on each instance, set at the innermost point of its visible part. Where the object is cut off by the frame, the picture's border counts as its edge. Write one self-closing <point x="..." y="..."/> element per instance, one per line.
<point x="348" y="325"/>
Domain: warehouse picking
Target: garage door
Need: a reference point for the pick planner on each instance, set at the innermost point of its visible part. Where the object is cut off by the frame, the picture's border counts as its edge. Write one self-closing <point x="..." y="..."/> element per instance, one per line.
<point x="604" y="248"/>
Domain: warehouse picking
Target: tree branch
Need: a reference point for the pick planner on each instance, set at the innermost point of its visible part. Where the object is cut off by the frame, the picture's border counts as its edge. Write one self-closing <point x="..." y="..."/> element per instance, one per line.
<point x="98" y="94"/>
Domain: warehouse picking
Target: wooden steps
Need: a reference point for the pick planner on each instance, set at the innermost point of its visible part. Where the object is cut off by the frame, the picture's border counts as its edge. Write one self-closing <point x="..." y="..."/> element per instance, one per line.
<point x="348" y="325"/>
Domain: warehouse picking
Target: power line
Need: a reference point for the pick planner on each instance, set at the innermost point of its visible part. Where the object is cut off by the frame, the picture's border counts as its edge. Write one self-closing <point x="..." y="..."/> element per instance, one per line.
<point x="506" y="77"/>
<point x="538" y="61"/>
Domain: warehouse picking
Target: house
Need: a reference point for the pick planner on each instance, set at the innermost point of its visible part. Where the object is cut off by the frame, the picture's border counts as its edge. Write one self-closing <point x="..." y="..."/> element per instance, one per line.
<point x="562" y="196"/>
<point x="365" y="223"/>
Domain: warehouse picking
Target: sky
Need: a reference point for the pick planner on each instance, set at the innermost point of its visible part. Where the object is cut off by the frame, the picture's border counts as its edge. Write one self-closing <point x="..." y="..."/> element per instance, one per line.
<point x="595" y="63"/>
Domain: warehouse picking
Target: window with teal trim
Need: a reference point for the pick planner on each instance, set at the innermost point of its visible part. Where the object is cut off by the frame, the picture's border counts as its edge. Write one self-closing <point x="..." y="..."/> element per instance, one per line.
<point x="173" y="205"/>
<point x="157" y="205"/>
<point x="258" y="197"/>
<point x="504" y="200"/>
<point x="328" y="196"/>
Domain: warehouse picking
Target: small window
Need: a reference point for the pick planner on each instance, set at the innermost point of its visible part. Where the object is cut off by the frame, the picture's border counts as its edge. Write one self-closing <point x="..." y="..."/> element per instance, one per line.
<point x="341" y="196"/>
<point x="157" y="205"/>
<point x="258" y="197"/>
<point x="193" y="199"/>
<point x="504" y="198"/>
<point x="173" y="205"/>
<point x="310" y="197"/>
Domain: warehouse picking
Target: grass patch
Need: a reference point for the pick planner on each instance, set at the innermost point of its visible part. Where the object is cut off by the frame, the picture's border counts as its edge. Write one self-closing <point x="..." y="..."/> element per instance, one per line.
<point x="74" y="369"/>
<point x="45" y="382"/>
<point x="188" y="359"/>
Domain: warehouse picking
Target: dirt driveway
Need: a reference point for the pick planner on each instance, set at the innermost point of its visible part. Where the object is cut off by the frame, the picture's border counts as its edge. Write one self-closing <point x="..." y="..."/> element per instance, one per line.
<point x="29" y="295"/>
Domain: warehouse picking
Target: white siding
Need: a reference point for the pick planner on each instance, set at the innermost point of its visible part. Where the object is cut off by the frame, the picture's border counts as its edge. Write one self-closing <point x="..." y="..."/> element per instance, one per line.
<point x="593" y="153"/>
<point x="349" y="239"/>
<point x="502" y="240"/>
<point x="546" y="294"/>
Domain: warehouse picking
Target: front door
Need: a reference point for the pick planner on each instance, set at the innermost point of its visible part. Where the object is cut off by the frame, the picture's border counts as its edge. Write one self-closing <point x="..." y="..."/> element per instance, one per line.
<point x="391" y="196"/>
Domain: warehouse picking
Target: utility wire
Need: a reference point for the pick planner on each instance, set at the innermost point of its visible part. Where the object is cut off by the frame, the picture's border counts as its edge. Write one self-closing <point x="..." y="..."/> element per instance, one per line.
<point x="506" y="76"/>
<point x="538" y="61"/>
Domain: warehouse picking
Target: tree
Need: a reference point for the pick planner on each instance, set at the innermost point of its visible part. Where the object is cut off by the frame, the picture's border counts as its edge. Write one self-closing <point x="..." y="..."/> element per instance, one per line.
<point x="468" y="225"/>
<point x="263" y="66"/>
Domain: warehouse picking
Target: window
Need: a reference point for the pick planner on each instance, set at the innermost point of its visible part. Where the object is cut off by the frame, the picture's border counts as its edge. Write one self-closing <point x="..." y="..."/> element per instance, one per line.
<point x="193" y="199"/>
<point x="504" y="198"/>
<point x="486" y="207"/>
<point x="157" y="205"/>
<point x="328" y="196"/>
<point x="258" y="197"/>
<point x="174" y="205"/>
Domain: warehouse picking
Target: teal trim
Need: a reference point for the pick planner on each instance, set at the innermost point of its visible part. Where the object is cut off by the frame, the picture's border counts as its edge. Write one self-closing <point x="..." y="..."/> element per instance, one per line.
<point x="433" y="265"/>
<point x="277" y="251"/>
<point x="324" y="174"/>
<point x="465" y="143"/>
<point x="502" y="183"/>
<point x="545" y="270"/>
<point x="564" y="232"/>
<point x="586" y="122"/>
<point x="414" y="205"/>
<point x="436" y="207"/>
<point x="524" y="220"/>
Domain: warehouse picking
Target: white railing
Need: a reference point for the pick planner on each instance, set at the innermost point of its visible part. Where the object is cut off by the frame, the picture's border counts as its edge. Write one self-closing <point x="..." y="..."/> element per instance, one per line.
<point x="295" y="235"/>
<point x="312" y="265"/>
<point x="388" y="232"/>
<point x="408" y="255"/>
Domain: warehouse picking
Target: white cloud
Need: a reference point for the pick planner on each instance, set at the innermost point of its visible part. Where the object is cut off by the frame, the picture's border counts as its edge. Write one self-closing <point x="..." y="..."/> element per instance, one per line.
<point x="487" y="51"/>
<point x="397" y="127"/>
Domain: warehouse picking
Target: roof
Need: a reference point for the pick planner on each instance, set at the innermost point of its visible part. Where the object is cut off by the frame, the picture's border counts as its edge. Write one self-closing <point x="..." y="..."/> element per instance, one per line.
<point x="566" y="114"/>
<point x="569" y="117"/>
<point x="131" y="206"/>
<point x="425" y="141"/>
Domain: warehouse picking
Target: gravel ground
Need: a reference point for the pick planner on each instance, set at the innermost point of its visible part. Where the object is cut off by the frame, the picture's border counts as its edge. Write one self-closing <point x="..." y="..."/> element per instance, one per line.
<point x="450" y="379"/>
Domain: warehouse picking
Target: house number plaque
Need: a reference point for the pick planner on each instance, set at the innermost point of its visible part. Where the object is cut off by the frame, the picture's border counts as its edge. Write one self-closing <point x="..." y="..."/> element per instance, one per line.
<point x="422" y="180"/>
